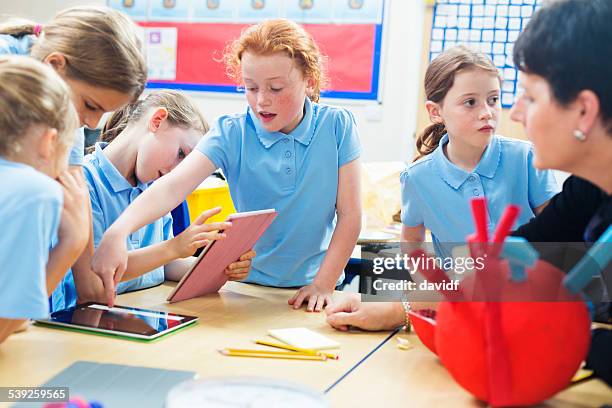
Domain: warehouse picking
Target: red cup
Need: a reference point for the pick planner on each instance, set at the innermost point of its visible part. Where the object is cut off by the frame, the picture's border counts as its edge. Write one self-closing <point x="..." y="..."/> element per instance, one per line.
<point x="424" y="323"/>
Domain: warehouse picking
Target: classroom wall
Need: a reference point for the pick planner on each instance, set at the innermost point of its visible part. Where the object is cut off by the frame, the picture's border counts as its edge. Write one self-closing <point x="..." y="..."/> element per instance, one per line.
<point x="386" y="128"/>
<point x="505" y="127"/>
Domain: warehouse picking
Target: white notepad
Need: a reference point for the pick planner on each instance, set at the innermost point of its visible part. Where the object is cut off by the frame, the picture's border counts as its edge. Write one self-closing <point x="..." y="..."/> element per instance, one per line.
<point x="303" y="338"/>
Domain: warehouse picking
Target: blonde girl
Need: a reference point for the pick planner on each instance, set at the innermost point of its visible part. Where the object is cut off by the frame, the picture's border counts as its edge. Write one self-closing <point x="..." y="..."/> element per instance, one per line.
<point x="42" y="205"/>
<point x="141" y="143"/>
<point x="97" y="52"/>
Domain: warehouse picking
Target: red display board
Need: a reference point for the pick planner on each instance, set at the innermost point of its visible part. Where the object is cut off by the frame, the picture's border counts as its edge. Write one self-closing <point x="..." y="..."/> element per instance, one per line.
<point x="353" y="52"/>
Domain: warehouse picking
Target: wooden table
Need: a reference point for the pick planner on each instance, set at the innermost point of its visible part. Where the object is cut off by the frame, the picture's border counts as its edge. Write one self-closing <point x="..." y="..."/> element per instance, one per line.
<point x="392" y="377"/>
<point x="388" y="377"/>
<point x="234" y="317"/>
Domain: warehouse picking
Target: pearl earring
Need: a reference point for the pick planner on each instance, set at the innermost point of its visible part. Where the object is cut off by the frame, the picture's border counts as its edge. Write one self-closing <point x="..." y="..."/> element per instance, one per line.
<point x="579" y="134"/>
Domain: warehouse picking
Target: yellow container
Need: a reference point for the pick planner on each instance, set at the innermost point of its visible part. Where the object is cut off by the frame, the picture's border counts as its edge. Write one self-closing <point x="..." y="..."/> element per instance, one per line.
<point x="203" y="199"/>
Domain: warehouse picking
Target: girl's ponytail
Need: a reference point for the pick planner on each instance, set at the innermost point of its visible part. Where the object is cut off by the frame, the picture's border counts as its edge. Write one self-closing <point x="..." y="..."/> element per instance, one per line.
<point x="18" y="27"/>
<point x="429" y="139"/>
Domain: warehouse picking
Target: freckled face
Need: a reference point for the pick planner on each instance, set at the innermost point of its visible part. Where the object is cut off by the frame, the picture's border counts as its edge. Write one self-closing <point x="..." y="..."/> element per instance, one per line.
<point x="275" y="90"/>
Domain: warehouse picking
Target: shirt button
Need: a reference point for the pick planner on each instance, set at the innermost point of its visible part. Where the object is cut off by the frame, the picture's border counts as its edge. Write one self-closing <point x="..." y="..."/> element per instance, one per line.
<point x="288" y="170"/>
<point x="472" y="178"/>
<point x="476" y="192"/>
<point x="287" y="154"/>
<point x="285" y="140"/>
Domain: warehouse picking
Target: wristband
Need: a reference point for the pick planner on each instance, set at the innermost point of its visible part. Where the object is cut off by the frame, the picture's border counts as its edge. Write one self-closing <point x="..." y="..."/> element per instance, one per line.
<point x="407" y="308"/>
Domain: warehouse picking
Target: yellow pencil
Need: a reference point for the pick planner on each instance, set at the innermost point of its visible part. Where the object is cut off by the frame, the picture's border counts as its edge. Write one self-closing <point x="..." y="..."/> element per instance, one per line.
<point x="296" y="349"/>
<point x="270" y="354"/>
<point x="280" y="353"/>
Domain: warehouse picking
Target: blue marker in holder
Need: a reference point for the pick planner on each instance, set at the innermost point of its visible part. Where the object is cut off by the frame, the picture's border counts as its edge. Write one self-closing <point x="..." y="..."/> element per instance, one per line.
<point x="595" y="260"/>
<point x="520" y="255"/>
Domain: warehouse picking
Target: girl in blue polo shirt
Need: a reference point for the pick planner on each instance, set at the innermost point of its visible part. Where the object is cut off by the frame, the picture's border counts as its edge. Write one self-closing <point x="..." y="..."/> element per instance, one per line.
<point x="461" y="157"/>
<point x="100" y="81"/>
<point x="286" y="152"/>
<point x="37" y="124"/>
<point x="141" y="143"/>
<point x="96" y="51"/>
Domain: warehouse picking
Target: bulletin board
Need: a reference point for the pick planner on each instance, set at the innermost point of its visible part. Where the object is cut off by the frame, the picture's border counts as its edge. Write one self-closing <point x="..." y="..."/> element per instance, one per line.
<point x="490" y="26"/>
<point x="185" y="39"/>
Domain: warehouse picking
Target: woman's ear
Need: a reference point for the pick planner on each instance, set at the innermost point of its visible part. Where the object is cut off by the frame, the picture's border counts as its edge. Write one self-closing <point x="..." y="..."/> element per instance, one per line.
<point x="588" y="104"/>
<point x="157" y="118"/>
<point x="58" y="61"/>
<point x="433" y="109"/>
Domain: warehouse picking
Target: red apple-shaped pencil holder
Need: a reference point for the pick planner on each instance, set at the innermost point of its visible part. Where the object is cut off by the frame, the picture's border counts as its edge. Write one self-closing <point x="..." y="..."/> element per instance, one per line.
<point x="517" y="329"/>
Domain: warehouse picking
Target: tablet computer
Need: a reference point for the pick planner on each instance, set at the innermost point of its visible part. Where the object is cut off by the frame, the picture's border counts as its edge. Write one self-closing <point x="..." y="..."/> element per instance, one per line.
<point x="206" y="275"/>
<point x="130" y="322"/>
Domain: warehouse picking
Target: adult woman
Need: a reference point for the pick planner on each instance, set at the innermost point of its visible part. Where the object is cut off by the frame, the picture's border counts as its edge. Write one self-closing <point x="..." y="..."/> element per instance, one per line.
<point x="565" y="58"/>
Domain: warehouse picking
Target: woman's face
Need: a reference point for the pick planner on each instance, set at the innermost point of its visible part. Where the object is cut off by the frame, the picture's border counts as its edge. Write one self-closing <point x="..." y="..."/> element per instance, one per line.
<point x="548" y="125"/>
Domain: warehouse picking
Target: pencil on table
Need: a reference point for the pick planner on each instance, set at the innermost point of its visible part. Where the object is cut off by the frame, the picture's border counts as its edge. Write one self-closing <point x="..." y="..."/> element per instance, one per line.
<point x="280" y="353"/>
<point x="297" y="349"/>
<point x="271" y="354"/>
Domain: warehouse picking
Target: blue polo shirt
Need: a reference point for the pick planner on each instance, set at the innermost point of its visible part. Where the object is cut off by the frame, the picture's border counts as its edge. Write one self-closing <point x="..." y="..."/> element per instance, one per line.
<point x="10" y="45"/>
<point x="295" y="173"/>
<point x="30" y="212"/>
<point x="110" y="194"/>
<point x="437" y="193"/>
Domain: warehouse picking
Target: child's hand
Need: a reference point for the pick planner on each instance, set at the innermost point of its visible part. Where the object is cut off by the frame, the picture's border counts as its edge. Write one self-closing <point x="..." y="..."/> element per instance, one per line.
<point x="74" y="225"/>
<point x="89" y="286"/>
<point x="316" y="296"/>
<point x="239" y="270"/>
<point x="199" y="234"/>
<point x="109" y="262"/>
